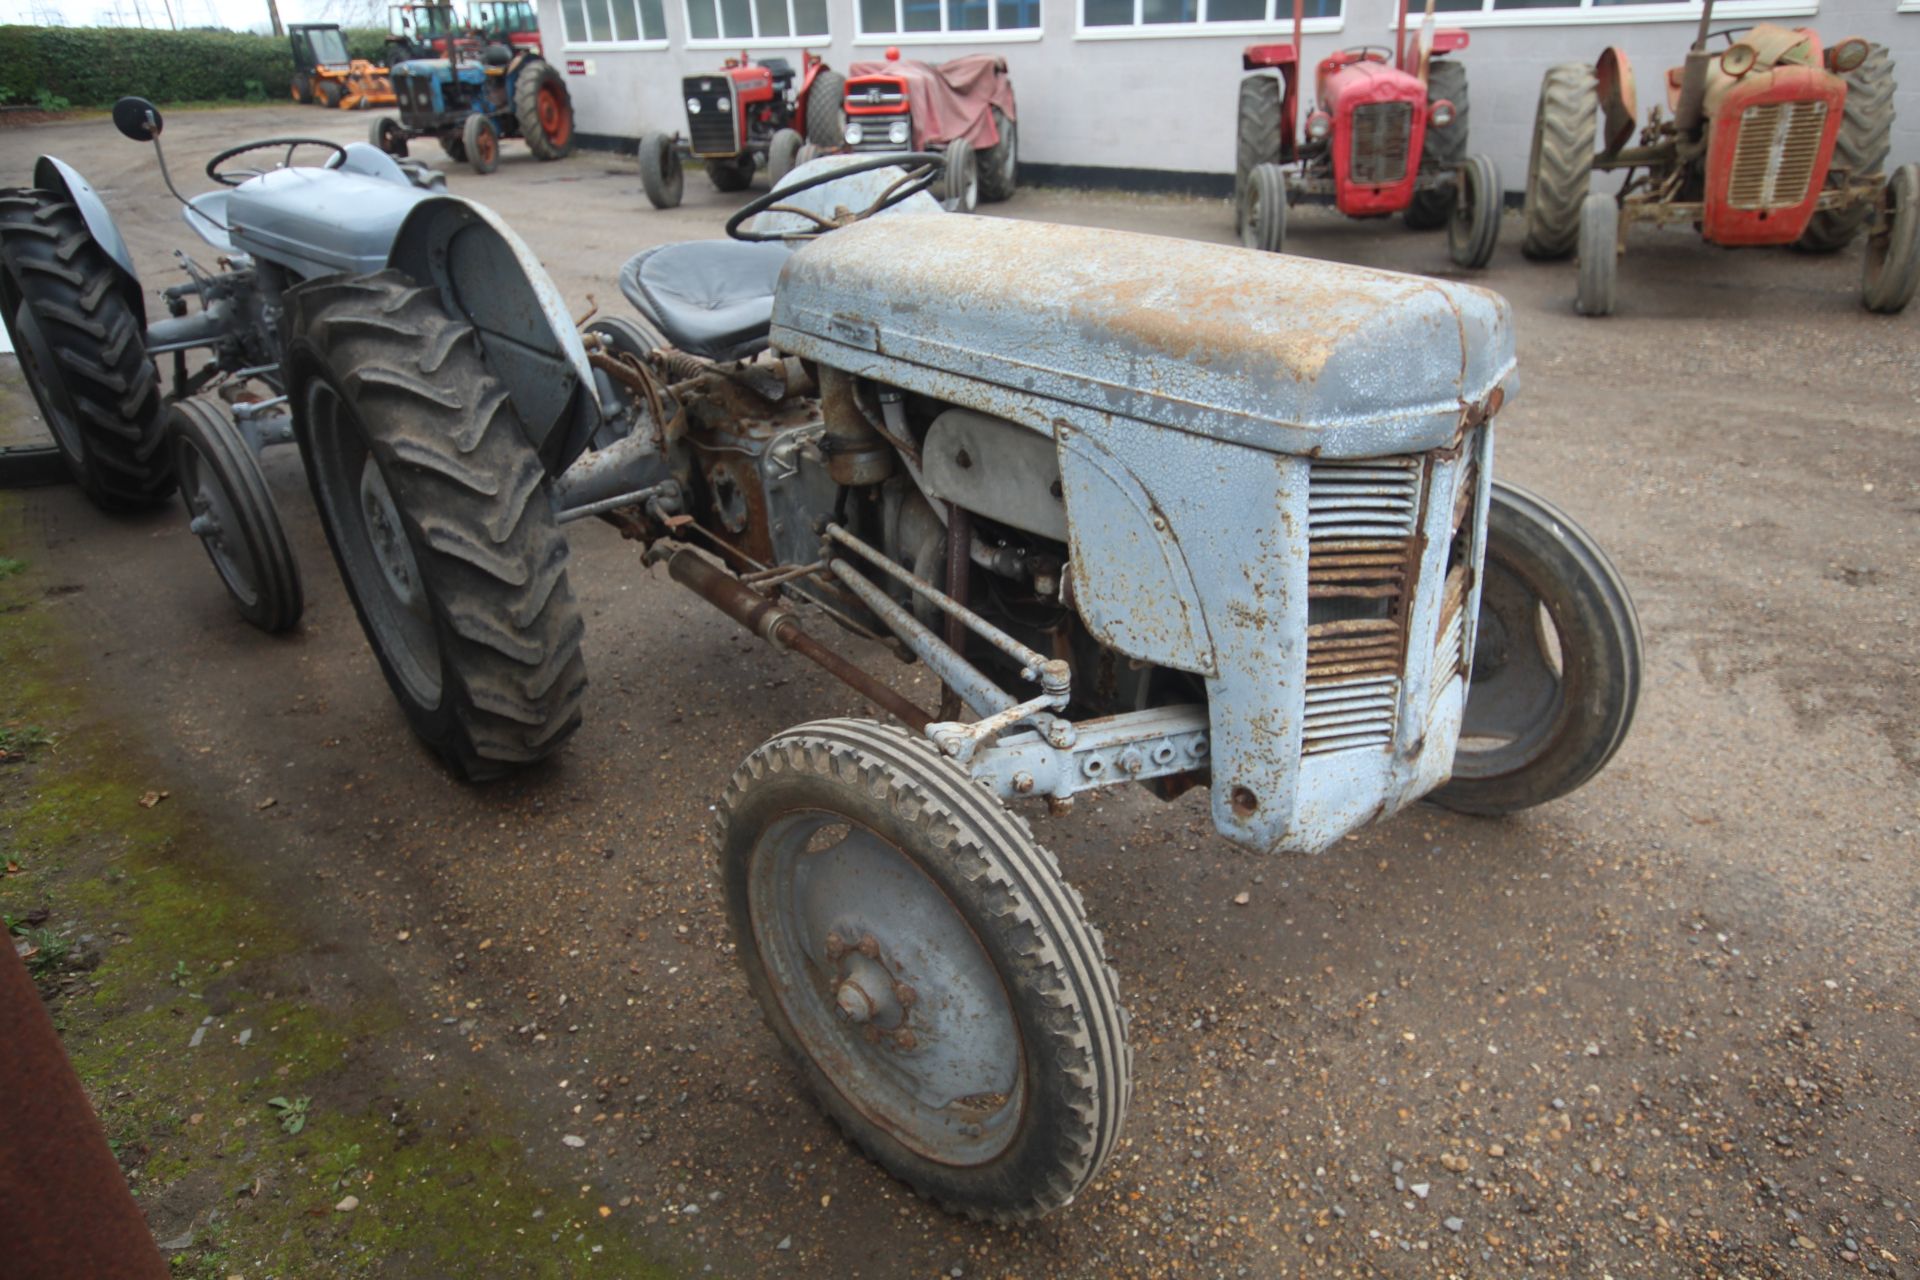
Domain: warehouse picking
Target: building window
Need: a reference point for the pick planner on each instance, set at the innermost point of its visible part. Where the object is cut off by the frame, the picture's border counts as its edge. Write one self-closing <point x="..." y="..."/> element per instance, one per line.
<point x="937" y="17"/>
<point x="1167" y="17"/>
<point x="613" y="21"/>
<point x="756" y="20"/>
<point x="1521" y="12"/>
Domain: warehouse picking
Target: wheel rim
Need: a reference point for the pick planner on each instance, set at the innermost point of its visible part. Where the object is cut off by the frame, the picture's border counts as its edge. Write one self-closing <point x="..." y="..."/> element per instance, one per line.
<point x="1518" y="700"/>
<point x="887" y="987"/>
<point x="217" y="524"/>
<point x="372" y="543"/>
<point x="487" y="147"/>
<point x="49" y="391"/>
<point x="553" y="116"/>
<point x="1250" y="222"/>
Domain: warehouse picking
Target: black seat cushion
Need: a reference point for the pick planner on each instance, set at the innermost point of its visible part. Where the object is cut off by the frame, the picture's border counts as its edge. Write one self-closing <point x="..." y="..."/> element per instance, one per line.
<point x="711" y="298"/>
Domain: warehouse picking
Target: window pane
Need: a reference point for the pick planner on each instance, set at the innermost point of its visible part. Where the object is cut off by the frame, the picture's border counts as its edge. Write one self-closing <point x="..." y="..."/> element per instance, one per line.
<point x="1449" y="6"/>
<point x="810" y="17"/>
<point x="1156" y="11"/>
<point x="653" y="20"/>
<point x="626" y="25"/>
<point x="1107" y="13"/>
<point x="773" y="17"/>
<point x="700" y="20"/>
<point x="1331" y="9"/>
<point x="736" y="19"/>
<point x="1238" y="10"/>
<point x="574" y="19"/>
<point x="967" y="15"/>
<point x="597" y="20"/>
<point x="920" y="15"/>
<point x="877" y="16"/>
<point x="1533" y="4"/>
<point x="1014" y="14"/>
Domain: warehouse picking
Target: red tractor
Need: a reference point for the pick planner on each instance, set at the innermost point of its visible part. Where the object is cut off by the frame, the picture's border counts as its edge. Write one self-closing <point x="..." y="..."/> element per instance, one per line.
<point x="509" y="22"/>
<point x="962" y="107"/>
<point x="1771" y="140"/>
<point x="746" y="115"/>
<point x="1383" y="137"/>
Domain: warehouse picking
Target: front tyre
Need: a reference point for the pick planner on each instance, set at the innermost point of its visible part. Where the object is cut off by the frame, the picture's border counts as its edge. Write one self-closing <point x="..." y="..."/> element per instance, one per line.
<point x="1000" y="163"/>
<point x="1263" y="209"/>
<point x="961" y="182"/>
<point x="1892" y="266"/>
<point x="661" y="174"/>
<point x="781" y="153"/>
<point x="935" y="979"/>
<point x="1474" y="229"/>
<point x="386" y="134"/>
<point x="543" y="109"/>
<point x="439" y="515"/>
<point x="482" y="143"/>
<point x="1556" y="663"/>
<point x="1599" y="254"/>
<point x="233" y="513"/>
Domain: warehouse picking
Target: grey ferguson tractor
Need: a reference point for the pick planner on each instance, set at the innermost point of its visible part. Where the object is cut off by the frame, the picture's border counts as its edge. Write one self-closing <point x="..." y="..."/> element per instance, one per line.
<point x="1143" y="528"/>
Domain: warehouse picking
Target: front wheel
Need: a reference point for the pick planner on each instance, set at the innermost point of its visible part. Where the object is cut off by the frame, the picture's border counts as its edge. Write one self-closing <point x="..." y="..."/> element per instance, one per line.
<point x="1263" y="209"/>
<point x="441" y="520"/>
<point x="1892" y="266"/>
<point x="961" y="184"/>
<point x="660" y="172"/>
<point x="934" y="978"/>
<point x="782" y="151"/>
<point x="234" y="515"/>
<point x="1599" y="254"/>
<point x="482" y="142"/>
<point x="1474" y="229"/>
<point x="386" y="134"/>
<point x="1556" y="662"/>
<point x="1000" y="163"/>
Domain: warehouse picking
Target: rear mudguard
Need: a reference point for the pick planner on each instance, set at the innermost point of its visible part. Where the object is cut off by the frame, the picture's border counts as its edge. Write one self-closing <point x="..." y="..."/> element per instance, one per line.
<point x="52" y="174"/>
<point x="486" y="274"/>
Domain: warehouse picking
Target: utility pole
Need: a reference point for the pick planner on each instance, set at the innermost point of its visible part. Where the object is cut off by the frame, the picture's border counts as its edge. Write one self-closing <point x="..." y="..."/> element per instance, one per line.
<point x="273" y="13"/>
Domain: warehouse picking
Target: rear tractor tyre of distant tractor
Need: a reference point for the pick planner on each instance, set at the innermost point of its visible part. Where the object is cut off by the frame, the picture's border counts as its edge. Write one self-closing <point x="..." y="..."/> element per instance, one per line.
<point x="734" y="173"/>
<point x="807" y="154"/>
<point x="328" y="94"/>
<point x="1560" y="166"/>
<point x="1473" y="230"/>
<point x="826" y="122"/>
<point x="661" y="173"/>
<point x="1444" y="150"/>
<point x="1263" y="209"/>
<point x="386" y="134"/>
<point x="233" y="513"/>
<point x="1257" y="135"/>
<point x="441" y="520"/>
<point x="481" y="140"/>
<point x="301" y="88"/>
<point x="1859" y="150"/>
<point x="960" y="187"/>
<point x="543" y="109"/>
<point x="1599" y="254"/>
<point x="1000" y="163"/>
<point x="1892" y="267"/>
<point x="781" y="153"/>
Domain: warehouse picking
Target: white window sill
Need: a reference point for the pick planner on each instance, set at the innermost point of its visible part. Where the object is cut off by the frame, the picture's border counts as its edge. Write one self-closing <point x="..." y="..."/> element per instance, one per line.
<point x="1909" y="6"/>
<point x="1618" y="15"/>
<point x="907" y="39"/>
<point x="614" y="46"/>
<point x="1196" y="30"/>
<point x="774" y="42"/>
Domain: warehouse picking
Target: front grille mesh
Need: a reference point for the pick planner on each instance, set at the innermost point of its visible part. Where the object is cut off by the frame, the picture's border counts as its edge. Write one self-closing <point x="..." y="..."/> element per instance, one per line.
<point x="711" y="131"/>
<point x="874" y="129"/>
<point x="1775" y="153"/>
<point x="1361" y="518"/>
<point x="1381" y="134"/>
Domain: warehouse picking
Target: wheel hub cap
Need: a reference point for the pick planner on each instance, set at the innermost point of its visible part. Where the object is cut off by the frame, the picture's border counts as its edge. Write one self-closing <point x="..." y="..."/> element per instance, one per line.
<point x="390" y="547"/>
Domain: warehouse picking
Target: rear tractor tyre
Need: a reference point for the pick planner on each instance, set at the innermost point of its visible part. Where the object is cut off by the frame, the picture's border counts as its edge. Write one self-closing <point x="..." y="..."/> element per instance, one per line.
<point x="826" y="122"/>
<point x="1263" y="209"/>
<point x="781" y="153"/>
<point x="455" y="146"/>
<point x="1556" y="663"/>
<point x="1599" y="254"/>
<point x="481" y="141"/>
<point x="441" y="519"/>
<point x="1859" y="150"/>
<point x="807" y="154"/>
<point x="1256" y="136"/>
<point x="734" y="173"/>
<point x="1892" y="267"/>
<point x="1473" y="231"/>
<point x="661" y="173"/>
<point x="301" y="87"/>
<point x="1000" y="163"/>
<point x="1560" y="165"/>
<point x="233" y="513"/>
<point x="1444" y="150"/>
<point x="935" y="979"/>
<point x="83" y="350"/>
<point x="386" y="134"/>
<point x="960" y="187"/>
<point x="543" y="109"/>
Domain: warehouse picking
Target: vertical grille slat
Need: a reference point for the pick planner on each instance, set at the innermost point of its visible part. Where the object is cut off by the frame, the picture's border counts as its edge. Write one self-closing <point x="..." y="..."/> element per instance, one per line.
<point x="1382" y="134"/>
<point x="1774" y="154"/>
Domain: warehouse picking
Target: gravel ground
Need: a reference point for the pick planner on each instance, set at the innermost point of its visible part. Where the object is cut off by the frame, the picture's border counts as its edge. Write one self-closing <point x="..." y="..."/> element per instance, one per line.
<point x="1666" y="1026"/>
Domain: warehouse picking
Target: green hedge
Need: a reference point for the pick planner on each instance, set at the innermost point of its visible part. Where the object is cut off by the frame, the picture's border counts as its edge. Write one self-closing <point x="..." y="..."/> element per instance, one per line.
<point x="92" y="66"/>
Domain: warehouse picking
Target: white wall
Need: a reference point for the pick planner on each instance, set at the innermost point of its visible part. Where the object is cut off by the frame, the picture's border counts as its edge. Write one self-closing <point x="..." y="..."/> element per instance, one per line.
<point x="1168" y="103"/>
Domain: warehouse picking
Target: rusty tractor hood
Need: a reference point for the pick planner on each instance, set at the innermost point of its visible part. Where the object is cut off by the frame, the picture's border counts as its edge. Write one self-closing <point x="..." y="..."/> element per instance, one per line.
<point x="1284" y="354"/>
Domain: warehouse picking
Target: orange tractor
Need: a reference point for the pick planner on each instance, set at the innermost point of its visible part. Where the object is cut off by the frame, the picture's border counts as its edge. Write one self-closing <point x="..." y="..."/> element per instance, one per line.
<point x="324" y="73"/>
<point x="1765" y="139"/>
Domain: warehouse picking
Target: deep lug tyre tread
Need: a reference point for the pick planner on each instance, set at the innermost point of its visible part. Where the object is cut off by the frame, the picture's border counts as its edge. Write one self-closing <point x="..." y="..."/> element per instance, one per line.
<point x="1257" y="139"/>
<point x="1560" y="165"/>
<point x="1861" y="147"/>
<point x="1444" y="150"/>
<point x="534" y="75"/>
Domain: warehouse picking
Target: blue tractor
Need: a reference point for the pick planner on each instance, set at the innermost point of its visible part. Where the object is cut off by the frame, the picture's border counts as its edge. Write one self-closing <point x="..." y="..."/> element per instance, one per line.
<point x="469" y="105"/>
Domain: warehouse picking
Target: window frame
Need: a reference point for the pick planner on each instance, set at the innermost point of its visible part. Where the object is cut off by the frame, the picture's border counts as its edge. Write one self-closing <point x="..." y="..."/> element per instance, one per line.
<point x="990" y="35"/>
<point x="1138" y="30"/>
<point x="1589" y="14"/>
<point x="589" y="45"/>
<point x="755" y="42"/>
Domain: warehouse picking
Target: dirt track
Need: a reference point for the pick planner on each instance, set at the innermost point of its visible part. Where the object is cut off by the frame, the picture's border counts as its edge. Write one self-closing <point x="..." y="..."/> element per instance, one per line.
<point x="1670" y="1025"/>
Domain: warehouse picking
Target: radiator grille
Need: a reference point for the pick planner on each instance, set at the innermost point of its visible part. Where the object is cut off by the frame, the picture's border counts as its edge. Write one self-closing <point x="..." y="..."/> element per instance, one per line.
<point x="1774" y="154"/>
<point x="874" y="131"/>
<point x="1381" y="134"/>
<point x="711" y="131"/>
<point x="1361" y="518"/>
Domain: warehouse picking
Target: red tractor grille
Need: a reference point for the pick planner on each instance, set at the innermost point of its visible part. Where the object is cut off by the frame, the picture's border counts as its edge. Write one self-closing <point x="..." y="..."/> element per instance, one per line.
<point x="1382" y="132"/>
<point x="1775" y="155"/>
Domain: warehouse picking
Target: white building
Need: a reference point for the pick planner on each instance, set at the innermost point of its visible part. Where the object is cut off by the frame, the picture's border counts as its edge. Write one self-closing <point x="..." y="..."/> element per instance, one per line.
<point x="1142" y="93"/>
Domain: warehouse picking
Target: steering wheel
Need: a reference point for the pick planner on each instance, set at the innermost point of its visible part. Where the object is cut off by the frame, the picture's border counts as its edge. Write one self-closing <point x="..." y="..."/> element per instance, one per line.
<point x="1371" y="52"/>
<point x="923" y="168"/>
<point x="267" y="144"/>
<point x="1728" y="33"/>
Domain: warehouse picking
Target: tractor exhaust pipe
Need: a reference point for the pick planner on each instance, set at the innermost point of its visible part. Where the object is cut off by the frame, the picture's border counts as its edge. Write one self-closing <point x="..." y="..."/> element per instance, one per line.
<point x="1690" y="111"/>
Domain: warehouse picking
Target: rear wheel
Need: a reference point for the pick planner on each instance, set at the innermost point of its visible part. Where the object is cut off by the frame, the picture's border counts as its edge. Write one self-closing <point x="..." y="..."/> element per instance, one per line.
<point x="1556" y="663"/>
<point x="1599" y="254"/>
<point x="660" y="172"/>
<point x="439" y="515"/>
<point x="386" y="134"/>
<point x="233" y="513"/>
<point x="1000" y="163"/>
<point x="302" y="87"/>
<point x="1444" y="149"/>
<point x="919" y="955"/>
<point x="544" y="109"/>
<point x="1257" y="135"/>
<point x="781" y="153"/>
<point x="1859" y="150"/>
<point x="83" y="351"/>
<point x="961" y="183"/>
<point x="827" y="110"/>
<point x="482" y="143"/>
<point x="455" y="146"/>
<point x="1474" y="229"/>
<point x="1560" y="166"/>
<point x="732" y="173"/>
<point x="1892" y="267"/>
<point x="1263" y="209"/>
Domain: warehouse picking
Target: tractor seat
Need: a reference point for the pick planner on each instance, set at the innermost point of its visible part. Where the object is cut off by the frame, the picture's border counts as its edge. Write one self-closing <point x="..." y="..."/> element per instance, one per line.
<point x="709" y="298"/>
<point x="781" y="69"/>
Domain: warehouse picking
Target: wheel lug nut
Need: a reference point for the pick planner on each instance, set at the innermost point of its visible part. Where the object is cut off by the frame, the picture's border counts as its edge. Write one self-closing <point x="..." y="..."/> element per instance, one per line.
<point x="905" y="1039"/>
<point x="905" y="994"/>
<point x="836" y="946"/>
<point x="869" y="946"/>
